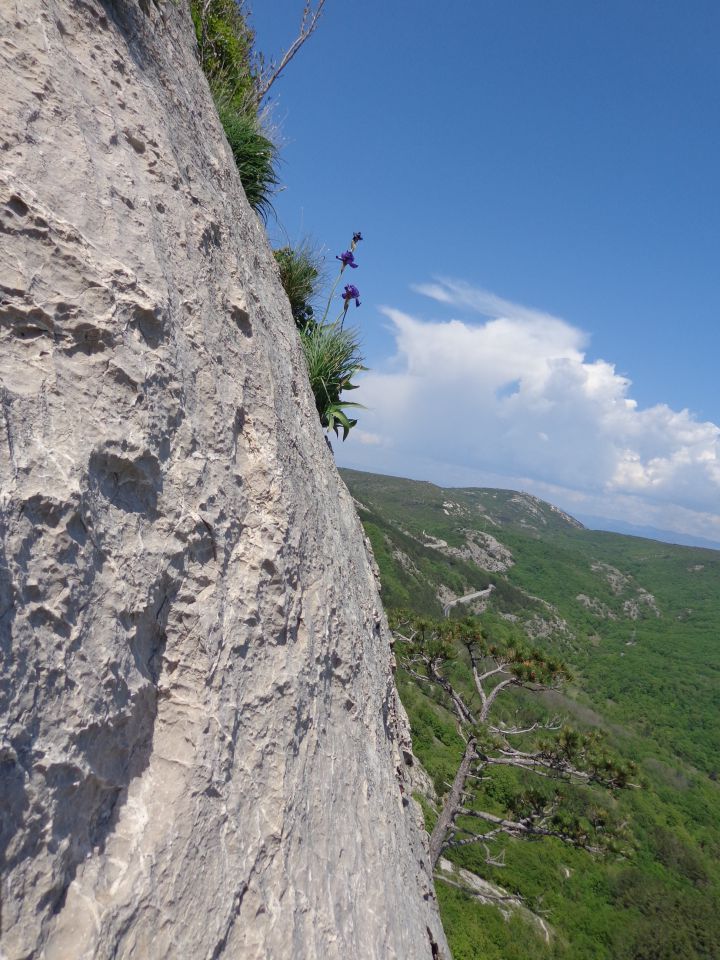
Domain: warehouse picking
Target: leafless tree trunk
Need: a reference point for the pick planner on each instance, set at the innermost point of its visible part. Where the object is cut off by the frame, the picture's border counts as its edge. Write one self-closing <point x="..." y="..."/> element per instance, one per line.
<point x="453" y="804"/>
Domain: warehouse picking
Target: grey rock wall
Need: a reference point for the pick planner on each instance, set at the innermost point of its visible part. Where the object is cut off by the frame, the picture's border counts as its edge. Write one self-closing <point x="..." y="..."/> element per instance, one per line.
<point x="200" y="741"/>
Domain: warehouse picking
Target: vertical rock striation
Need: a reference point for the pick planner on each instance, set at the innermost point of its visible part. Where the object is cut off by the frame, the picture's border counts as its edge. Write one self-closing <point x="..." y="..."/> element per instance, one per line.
<point x="200" y="742"/>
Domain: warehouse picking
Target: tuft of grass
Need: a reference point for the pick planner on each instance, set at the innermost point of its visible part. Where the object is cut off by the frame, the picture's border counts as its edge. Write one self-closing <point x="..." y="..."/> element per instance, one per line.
<point x="300" y="275"/>
<point x="254" y="153"/>
<point x="333" y="357"/>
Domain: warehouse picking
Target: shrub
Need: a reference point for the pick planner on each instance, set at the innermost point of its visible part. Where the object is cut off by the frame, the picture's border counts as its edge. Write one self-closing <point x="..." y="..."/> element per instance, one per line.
<point x="225" y="42"/>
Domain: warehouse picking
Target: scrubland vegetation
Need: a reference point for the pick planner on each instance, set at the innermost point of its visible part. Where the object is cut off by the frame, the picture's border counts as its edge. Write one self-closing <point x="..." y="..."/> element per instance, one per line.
<point x="644" y="674"/>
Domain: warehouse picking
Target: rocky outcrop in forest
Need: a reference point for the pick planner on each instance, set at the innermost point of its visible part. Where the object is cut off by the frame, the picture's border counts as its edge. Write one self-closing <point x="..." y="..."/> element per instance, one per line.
<point x="201" y="746"/>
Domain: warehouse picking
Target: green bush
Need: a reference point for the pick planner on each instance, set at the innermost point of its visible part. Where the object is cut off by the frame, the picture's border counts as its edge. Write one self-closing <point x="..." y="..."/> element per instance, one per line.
<point x="225" y="42"/>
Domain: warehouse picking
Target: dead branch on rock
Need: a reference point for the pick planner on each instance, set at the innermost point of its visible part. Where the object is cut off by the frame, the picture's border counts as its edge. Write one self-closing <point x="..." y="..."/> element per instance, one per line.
<point x="267" y="75"/>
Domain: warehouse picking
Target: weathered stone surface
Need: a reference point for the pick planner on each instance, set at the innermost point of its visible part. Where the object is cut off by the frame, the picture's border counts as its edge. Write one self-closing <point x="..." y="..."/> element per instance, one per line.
<point x="200" y="741"/>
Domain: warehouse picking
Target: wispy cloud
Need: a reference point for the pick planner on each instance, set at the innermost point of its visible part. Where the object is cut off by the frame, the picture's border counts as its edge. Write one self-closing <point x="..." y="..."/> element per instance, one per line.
<point x="515" y="397"/>
<point x="457" y="293"/>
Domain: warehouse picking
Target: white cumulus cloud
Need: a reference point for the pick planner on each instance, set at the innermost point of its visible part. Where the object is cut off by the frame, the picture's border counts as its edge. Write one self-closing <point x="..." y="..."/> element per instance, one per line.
<point x="514" y="397"/>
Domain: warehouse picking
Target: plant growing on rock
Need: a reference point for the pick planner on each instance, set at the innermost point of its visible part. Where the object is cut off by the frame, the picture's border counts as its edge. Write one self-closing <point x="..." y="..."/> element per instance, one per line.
<point x="239" y="81"/>
<point x="254" y="153"/>
<point x="332" y="351"/>
<point x="333" y="357"/>
<point x="300" y="271"/>
<point x="225" y="43"/>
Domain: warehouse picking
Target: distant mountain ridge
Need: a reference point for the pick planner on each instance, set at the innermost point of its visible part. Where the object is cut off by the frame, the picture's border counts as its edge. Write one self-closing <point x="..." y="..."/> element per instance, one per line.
<point x="648" y="533"/>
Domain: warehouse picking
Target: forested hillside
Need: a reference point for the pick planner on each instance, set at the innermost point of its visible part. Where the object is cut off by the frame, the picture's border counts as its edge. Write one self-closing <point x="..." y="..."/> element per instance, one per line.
<point x="636" y="622"/>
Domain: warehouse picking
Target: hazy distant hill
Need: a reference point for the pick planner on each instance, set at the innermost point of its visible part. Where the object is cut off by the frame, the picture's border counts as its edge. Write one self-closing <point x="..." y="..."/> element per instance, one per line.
<point x="638" y="621"/>
<point x="651" y="533"/>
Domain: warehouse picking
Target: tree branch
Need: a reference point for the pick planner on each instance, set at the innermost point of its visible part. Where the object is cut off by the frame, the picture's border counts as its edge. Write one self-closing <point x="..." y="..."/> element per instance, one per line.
<point x="553" y="724"/>
<point x="434" y="676"/>
<point x="516" y="828"/>
<point x="308" y="24"/>
<point x="493" y="695"/>
<point x="482" y="897"/>
<point x="538" y="763"/>
<point x="491" y="673"/>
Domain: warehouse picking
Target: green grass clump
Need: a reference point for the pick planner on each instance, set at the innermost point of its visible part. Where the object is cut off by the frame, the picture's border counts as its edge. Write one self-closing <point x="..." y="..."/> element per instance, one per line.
<point x="255" y="155"/>
<point x="332" y="354"/>
<point x="299" y="275"/>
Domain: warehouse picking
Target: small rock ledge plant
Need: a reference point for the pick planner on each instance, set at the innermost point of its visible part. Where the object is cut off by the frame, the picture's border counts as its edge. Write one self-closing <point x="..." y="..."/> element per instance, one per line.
<point x="332" y="350"/>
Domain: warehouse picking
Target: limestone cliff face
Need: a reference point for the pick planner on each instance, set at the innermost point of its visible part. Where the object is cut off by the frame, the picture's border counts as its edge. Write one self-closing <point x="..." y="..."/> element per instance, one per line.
<point x="200" y="742"/>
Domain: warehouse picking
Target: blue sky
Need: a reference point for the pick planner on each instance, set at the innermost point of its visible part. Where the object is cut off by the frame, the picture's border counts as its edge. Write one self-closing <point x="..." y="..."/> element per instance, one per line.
<point x="562" y="156"/>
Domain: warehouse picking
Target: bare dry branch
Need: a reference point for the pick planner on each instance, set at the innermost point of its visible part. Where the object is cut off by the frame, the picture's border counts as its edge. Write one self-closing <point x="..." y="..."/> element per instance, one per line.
<point x="500" y="668"/>
<point x="482" y="897"/>
<point x="491" y="860"/>
<point x="538" y="765"/>
<point x="308" y="24"/>
<point x="554" y="724"/>
<point x="528" y="826"/>
<point x="493" y="695"/>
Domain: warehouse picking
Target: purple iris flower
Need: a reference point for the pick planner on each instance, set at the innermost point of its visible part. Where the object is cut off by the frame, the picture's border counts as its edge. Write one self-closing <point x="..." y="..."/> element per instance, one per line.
<point x="357" y="237"/>
<point x="351" y="292"/>
<point x="347" y="259"/>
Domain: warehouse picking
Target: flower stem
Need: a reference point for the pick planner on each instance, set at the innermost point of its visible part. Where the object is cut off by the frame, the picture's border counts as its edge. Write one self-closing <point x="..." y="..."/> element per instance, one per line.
<point x="353" y="244"/>
<point x="332" y="292"/>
